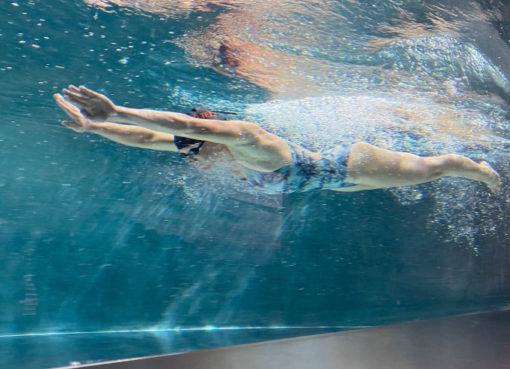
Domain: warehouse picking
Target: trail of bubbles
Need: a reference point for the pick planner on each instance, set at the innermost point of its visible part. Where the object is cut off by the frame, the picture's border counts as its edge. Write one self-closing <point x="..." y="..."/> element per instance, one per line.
<point x="418" y="125"/>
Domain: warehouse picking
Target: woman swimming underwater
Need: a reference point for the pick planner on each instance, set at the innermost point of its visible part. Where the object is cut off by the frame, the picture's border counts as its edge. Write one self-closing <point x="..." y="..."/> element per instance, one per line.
<point x="265" y="160"/>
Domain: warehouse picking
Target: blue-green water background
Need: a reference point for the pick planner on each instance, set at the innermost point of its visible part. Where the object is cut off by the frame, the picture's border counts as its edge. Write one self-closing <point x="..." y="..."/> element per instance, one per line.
<point x="97" y="238"/>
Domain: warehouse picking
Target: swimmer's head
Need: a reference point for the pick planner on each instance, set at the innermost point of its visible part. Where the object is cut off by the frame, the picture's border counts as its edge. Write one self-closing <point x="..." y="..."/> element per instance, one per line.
<point x="195" y="145"/>
<point x="203" y="113"/>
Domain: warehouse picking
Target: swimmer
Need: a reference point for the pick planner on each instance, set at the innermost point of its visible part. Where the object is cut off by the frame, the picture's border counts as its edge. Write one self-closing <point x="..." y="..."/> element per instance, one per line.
<point x="264" y="159"/>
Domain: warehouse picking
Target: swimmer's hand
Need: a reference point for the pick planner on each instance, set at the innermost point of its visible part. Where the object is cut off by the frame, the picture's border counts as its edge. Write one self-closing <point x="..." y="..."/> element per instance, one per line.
<point x="93" y="105"/>
<point x="78" y="122"/>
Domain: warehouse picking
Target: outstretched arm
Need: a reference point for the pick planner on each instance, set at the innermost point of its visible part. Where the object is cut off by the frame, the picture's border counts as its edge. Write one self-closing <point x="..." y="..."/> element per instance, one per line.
<point x="98" y="107"/>
<point x="134" y="136"/>
<point x="249" y="144"/>
<point x="120" y="133"/>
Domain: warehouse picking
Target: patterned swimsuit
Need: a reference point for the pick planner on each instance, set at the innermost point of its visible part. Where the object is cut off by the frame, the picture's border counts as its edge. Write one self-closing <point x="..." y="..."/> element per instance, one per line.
<point x="304" y="174"/>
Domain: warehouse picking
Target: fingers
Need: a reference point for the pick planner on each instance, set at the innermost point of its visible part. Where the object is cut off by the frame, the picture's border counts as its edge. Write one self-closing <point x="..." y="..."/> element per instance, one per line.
<point x="84" y="90"/>
<point x="76" y="98"/>
<point x="66" y="106"/>
<point x="61" y="102"/>
<point x="72" y="125"/>
<point x="76" y="94"/>
<point x="81" y="103"/>
<point x="72" y="111"/>
<point x="80" y="95"/>
<point x="68" y="123"/>
<point x="73" y="88"/>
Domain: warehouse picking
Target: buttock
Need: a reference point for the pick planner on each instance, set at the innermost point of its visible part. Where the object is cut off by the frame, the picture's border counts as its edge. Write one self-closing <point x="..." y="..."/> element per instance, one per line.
<point x="338" y="154"/>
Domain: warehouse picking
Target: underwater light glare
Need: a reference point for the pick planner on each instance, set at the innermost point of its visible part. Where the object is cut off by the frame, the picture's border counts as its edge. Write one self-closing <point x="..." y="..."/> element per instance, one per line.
<point x="207" y="328"/>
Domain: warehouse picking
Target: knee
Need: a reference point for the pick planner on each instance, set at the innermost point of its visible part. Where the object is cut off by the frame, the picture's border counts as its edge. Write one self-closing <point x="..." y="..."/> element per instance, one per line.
<point x="451" y="160"/>
<point x="435" y="171"/>
<point x="450" y="157"/>
<point x="439" y="166"/>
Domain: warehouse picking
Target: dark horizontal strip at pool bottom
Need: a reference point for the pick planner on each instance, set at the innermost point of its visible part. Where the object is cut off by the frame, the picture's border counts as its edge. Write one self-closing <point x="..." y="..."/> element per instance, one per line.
<point x="474" y="341"/>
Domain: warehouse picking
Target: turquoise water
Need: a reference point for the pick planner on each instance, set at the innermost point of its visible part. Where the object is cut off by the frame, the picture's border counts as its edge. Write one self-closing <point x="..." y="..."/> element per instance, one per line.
<point x="111" y="252"/>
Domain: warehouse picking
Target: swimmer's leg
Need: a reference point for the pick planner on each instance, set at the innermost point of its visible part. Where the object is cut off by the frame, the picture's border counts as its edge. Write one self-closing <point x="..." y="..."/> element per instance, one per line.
<point x="371" y="168"/>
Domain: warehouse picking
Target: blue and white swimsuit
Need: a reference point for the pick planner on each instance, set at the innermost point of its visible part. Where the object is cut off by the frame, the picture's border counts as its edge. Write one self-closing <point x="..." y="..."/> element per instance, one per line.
<point x="304" y="174"/>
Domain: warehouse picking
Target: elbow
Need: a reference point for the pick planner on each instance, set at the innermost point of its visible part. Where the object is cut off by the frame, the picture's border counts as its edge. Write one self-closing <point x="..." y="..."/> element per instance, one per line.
<point x="251" y="133"/>
<point x="147" y="139"/>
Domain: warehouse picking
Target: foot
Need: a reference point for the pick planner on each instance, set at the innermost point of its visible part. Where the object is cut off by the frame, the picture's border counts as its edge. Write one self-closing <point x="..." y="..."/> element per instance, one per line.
<point x="491" y="177"/>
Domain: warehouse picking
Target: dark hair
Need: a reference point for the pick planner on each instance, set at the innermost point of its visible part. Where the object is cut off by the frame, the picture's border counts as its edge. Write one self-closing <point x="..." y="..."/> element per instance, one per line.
<point x="196" y="112"/>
